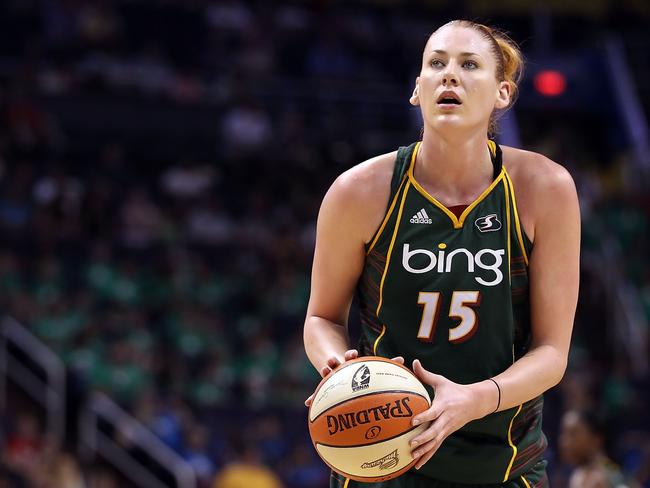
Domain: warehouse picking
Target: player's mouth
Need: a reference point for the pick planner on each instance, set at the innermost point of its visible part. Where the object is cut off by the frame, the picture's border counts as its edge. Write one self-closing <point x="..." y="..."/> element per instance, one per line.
<point x="449" y="100"/>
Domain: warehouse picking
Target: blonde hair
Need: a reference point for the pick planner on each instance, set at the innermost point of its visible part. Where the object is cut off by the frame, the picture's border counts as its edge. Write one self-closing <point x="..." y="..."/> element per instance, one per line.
<point x="508" y="57"/>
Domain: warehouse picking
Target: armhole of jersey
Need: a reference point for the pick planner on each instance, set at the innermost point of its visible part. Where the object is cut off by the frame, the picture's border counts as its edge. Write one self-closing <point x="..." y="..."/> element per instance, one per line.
<point x="402" y="161"/>
<point x="524" y="242"/>
<point x="497" y="158"/>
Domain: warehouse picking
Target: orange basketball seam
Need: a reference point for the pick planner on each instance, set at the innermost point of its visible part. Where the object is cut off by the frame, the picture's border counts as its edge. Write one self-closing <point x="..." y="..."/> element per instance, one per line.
<point x="369" y="394"/>
<point x="364" y="445"/>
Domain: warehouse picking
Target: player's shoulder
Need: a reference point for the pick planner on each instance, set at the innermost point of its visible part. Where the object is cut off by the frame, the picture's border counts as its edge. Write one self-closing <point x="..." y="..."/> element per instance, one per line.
<point x="544" y="189"/>
<point x="532" y="172"/>
<point x="365" y="183"/>
<point x="366" y="178"/>
<point x="358" y="197"/>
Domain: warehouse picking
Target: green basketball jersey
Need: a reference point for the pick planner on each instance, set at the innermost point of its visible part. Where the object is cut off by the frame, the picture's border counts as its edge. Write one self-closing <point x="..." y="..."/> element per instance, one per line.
<point x="453" y="292"/>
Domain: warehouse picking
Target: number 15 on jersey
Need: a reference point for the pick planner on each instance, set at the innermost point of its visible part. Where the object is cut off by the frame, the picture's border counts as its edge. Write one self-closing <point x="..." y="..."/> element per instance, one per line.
<point x="463" y="304"/>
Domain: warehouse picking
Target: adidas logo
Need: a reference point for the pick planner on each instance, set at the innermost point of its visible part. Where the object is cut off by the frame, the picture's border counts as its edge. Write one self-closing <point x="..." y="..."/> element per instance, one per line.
<point x="421" y="218"/>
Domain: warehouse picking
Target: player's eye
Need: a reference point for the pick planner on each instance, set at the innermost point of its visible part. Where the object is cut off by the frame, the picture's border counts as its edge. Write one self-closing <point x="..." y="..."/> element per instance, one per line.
<point x="469" y="64"/>
<point x="436" y="63"/>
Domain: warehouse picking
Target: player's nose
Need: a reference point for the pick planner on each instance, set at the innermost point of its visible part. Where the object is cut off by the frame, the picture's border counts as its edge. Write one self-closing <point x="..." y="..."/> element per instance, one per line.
<point x="450" y="76"/>
<point x="449" y="79"/>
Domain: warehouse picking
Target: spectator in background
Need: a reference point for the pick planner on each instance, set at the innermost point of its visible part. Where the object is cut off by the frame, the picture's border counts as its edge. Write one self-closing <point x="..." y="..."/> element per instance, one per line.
<point x="161" y="419"/>
<point x="141" y="221"/>
<point x="246" y="127"/>
<point x="196" y="454"/>
<point x="58" y="469"/>
<point x="24" y="445"/>
<point x="208" y="223"/>
<point x="582" y="444"/>
<point x="187" y="179"/>
<point x="247" y="471"/>
<point x="32" y="458"/>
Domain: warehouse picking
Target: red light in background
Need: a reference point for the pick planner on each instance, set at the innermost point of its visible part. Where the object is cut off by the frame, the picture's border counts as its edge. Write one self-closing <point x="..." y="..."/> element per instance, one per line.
<point x="550" y="83"/>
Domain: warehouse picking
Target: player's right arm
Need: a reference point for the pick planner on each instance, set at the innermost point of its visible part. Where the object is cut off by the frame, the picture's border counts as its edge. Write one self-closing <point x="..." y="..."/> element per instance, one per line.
<point x="349" y="215"/>
<point x="338" y="260"/>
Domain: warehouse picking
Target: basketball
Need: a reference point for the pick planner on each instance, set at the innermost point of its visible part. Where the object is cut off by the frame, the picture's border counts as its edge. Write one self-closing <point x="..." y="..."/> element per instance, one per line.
<point x="360" y="418"/>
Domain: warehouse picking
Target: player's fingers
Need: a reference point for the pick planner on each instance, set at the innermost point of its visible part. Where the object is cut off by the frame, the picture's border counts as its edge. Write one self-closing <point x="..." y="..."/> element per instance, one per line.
<point x="333" y="362"/>
<point x="424" y="458"/>
<point x="398" y="359"/>
<point x="426" y="451"/>
<point x="426" y="376"/>
<point x="431" y="432"/>
<point x="325" y="370"/>
<point x="309" y="400"/>
<point x="430" y="414"/>
<point x="351" y="354"/>
<point x="430" y="442"/>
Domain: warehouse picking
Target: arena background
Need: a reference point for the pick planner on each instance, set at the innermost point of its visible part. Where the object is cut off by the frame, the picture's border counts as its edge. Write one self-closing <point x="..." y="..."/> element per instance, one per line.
<point x="161" y="168"/>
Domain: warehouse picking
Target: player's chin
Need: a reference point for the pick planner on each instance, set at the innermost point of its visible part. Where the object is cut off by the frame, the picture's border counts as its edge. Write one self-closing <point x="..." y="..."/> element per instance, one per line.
<point x="453" y="122"/>
<point x="445" y="111"/>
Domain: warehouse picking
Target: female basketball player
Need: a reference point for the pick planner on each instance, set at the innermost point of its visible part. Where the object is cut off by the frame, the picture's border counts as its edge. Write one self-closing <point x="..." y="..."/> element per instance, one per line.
<point x="466" y="259"/>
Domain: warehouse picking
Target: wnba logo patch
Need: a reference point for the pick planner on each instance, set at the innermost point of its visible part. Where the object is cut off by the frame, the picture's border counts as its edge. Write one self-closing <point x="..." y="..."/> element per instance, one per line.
<point x="489" y="223"/>
<point x="361" y="378"/>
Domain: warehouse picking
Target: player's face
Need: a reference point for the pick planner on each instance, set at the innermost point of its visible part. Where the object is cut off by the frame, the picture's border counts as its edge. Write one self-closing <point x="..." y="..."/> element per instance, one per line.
<point x="457" y="87"/>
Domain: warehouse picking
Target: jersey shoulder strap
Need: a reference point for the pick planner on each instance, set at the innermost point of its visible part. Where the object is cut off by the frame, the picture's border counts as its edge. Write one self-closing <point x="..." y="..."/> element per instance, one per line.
<point x="497" y="158"/>
<point x="402" y="162"/>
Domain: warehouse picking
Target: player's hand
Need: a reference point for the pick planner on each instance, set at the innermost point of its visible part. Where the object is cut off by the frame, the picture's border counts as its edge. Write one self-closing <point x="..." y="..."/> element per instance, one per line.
<point x="334" y="362"/>
<point x="453" y="406"/>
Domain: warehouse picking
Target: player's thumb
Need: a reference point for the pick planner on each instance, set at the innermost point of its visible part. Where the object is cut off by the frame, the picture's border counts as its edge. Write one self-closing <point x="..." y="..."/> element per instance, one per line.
<point x="424" y="375"/>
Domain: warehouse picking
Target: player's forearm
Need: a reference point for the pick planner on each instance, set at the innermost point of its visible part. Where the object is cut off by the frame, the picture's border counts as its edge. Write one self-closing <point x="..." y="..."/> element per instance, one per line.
<point x="537" y="371"/>
<point x="323" y="340"/>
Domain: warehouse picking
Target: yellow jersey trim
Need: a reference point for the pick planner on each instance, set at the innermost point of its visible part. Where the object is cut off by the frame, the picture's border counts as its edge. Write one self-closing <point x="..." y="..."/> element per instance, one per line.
<point x="387" y="217"/>
<point x="390" y="248"/>
<point x="457" y="221"/>
<point x="525" y="482"/>
<point x="514" y="448"/>
<point x="493" y="147"/>
<point x="505" y="187"/>
<point x="347" y="482"/>
<point x="517" y="223"/>
<point x="374" y="348"/>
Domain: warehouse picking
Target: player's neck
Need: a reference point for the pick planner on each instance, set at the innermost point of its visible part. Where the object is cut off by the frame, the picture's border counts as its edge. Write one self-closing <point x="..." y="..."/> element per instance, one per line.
<point x="456" y="168"/>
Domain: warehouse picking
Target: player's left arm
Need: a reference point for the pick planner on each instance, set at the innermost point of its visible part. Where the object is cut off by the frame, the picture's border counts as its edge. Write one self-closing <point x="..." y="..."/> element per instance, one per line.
<point x="553" y="278"/>
<point x="554" y="274"/>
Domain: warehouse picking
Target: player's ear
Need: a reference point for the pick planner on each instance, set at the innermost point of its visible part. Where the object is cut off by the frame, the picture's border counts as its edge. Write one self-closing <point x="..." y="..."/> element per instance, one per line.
<point x="415" y="98"/>
<point x="504" y="95"/>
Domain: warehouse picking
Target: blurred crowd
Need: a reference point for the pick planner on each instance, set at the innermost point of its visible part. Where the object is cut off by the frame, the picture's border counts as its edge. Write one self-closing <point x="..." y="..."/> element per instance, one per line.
<point x="170" y="269"/>
<point x="33" y="458"/>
